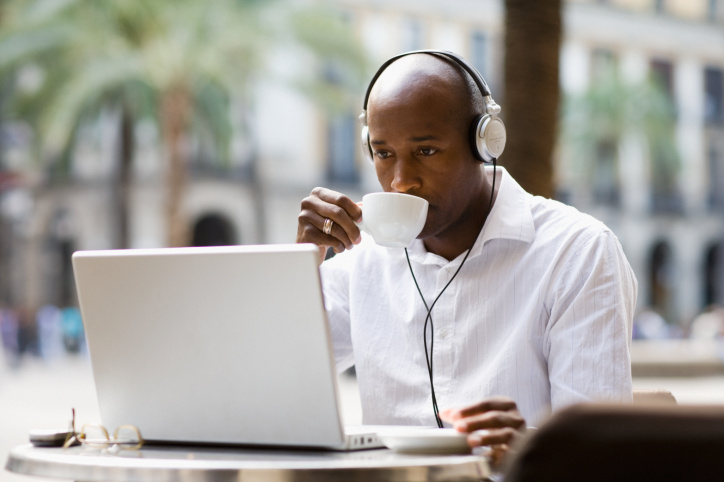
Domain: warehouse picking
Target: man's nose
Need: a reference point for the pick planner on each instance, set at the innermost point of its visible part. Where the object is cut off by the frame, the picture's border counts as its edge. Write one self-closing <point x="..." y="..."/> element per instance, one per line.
<point x="405" y="176"/>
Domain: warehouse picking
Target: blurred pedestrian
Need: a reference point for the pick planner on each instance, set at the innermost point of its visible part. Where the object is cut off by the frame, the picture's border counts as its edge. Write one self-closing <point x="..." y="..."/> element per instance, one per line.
<point x="650" y="325"/>
<point x="708" y="324"/>
<point x="50" y="334"/>
<point x="72" y="325"/>
<point x="9" y="330"/>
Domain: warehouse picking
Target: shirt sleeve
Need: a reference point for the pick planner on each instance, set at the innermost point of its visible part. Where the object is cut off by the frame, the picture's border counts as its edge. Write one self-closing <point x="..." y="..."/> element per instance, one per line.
<point x="335" y="276"/>
<point x="591" y="316"/>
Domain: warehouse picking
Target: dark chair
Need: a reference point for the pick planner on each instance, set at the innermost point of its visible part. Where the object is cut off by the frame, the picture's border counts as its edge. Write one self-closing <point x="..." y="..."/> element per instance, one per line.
<point x="638" y="443"/>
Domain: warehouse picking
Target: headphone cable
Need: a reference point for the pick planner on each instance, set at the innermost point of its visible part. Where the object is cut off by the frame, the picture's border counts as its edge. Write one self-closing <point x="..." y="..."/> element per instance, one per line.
<point x="428" y="318"/>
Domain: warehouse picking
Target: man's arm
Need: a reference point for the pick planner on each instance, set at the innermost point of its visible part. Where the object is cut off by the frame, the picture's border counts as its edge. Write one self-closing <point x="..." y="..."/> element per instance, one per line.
<point x="591" y="310"/>
<point x="335" y="274"/>
<point x="588" y="336"/>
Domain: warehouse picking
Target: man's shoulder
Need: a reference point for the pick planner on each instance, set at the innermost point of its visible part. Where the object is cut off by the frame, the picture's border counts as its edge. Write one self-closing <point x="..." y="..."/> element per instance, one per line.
<point x="553" y="218"/>
<point x="543" y="218"/>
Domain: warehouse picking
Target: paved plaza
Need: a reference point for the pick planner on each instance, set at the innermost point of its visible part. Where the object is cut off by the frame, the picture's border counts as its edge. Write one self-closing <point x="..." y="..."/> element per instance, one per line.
<point x="38" y="394"/>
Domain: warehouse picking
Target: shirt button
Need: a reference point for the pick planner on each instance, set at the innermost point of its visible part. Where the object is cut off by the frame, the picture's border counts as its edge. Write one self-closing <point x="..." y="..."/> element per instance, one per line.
<point x="442" y="333"/>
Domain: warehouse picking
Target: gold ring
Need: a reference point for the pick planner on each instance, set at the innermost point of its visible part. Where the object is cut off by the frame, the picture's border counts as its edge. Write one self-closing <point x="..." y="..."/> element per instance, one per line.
<point x="327" y="228"/>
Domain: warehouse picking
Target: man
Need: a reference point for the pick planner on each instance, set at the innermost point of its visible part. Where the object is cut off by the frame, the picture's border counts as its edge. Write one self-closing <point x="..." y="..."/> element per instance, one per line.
<point x="538" y="317"/>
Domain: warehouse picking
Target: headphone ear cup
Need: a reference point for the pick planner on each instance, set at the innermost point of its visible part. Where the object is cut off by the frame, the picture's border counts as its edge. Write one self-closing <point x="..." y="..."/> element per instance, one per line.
<point x="475" y="127"/>
<point x="366" y="149"/>
<point x="489" y="138"/>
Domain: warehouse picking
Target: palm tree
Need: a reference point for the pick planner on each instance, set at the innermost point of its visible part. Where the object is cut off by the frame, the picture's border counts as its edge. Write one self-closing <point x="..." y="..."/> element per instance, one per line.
<point x="532" y="44"/>
<point x="177" y="61"/>
<point x="609" y="111"/>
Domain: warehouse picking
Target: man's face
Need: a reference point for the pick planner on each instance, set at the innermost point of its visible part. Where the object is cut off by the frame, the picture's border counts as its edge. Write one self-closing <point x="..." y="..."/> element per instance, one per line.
<point x="419" y="148"/>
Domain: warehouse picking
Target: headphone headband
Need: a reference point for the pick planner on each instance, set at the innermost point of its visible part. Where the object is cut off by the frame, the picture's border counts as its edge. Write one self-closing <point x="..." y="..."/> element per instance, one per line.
<point x="477" y="77"/>
<point x="487" y="132"/>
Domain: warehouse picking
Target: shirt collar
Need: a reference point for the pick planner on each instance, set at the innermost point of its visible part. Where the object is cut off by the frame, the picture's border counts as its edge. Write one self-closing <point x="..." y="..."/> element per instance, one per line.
<point x="510" y="218"/>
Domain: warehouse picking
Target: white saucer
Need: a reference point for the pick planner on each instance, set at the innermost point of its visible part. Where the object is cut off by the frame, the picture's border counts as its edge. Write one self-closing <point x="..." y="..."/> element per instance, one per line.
<point x="425" y="440"/>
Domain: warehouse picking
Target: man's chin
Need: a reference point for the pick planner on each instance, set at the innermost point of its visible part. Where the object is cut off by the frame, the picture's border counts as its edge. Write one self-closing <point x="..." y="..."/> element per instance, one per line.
<point x="426" y="232"/>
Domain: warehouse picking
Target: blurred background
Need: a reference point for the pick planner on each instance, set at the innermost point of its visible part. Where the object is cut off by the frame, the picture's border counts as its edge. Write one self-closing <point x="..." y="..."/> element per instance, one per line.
<point x="134" y="124"/>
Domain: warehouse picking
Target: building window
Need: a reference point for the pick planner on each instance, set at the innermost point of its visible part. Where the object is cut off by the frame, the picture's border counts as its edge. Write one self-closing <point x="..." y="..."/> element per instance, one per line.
<point x="605" y="181"/>
<point x="341" y="149"/>
<point x="714" y="275"/>
<point x="59" y="281"/>
<point x="659" y="6"/>
<point x="478" y="51"/>
<point x="713" y="95"/>
<point x="342" y="133"/>
<point x="662" y="74"/>
<point x="65" y="250"/>
<point x="712" y="10"/>
<point x="412" y="34"/>
<point x="665" y="197"/>
<point x="716" y="180"/>
<point x="661" y="278"/>
<point x="603" y="63"/>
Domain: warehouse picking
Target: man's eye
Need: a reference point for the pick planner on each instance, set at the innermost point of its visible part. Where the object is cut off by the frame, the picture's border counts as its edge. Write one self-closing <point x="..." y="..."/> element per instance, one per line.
<point x="427" y="151"/>
<point x="382" y="154"/>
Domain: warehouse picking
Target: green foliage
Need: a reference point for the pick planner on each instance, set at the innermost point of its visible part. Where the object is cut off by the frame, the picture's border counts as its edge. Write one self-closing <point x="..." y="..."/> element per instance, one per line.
<point x="612" y="109"/>
<point x="344" y="65"/>
<point x="125" y="54"/>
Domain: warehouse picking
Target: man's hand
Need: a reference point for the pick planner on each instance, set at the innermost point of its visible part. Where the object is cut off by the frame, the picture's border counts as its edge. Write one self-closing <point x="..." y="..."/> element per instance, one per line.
<point x="494" y="422"/>
<point x="323" y="204"/>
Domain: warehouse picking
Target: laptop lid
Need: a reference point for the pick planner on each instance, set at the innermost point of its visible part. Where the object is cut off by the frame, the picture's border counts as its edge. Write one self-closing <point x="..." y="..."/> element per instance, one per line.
<point x="212" y="345"/>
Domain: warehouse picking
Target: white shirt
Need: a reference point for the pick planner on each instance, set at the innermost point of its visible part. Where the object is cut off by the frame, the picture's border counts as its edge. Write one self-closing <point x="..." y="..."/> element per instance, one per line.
<point x="541" y="312"/>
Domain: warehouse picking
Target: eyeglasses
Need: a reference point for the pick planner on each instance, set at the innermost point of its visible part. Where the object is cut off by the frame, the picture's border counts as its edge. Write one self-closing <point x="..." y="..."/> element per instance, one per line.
<point x="125" y="437"/>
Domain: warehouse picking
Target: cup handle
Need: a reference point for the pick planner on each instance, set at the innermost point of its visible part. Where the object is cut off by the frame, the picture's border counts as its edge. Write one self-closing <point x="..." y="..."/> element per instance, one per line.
<point x="361" y="226"/>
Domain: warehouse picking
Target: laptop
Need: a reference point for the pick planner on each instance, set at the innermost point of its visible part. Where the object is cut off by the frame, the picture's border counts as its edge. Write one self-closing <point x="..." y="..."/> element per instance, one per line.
<point x="219" y="345"/>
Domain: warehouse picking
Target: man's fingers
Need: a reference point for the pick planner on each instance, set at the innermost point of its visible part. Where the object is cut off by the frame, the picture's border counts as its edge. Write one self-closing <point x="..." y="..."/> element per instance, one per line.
<point x="339" y="208"/>
<point x="490" y="420"/>
<point x="498" y="436"/>
<point x="338" y="199"/>
<point x="333" y="233"/>
<point x="449" y="414"/>
<point x="490" y="404"/>
<point x="487" y="405"/>
<point x="497" y="441"/>
<point x="497" y="454"/>
<point x="310" y="230"/>
<point x="323" y="204"/>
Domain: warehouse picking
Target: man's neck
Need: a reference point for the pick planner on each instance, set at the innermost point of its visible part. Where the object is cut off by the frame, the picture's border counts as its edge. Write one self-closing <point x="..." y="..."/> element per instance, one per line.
<point x="461" y="236"/>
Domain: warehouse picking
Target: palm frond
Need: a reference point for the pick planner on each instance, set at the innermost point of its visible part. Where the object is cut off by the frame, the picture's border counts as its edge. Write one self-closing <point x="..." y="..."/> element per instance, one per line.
<point x="611" y="109"/>
<point x="87" y="87"/>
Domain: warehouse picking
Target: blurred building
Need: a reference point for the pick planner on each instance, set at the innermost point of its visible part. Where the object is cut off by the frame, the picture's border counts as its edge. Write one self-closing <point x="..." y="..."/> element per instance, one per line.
<point x="673" y="239"/>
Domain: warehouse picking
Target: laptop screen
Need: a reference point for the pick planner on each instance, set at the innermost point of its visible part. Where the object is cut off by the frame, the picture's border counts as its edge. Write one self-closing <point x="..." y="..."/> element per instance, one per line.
<point x="215" y="345"/>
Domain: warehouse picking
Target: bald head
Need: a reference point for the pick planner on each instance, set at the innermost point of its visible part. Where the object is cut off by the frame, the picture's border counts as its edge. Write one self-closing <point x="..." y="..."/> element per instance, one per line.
<point x="432" y="78"/>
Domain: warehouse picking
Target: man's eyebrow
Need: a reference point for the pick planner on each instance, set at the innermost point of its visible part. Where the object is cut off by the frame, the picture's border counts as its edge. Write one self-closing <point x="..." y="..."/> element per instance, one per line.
<point x="423" y="138"/>
<point x="429" y="137"/>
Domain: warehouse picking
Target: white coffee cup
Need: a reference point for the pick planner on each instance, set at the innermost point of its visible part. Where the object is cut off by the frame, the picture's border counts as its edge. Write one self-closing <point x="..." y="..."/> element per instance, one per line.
<point x="393" y="219"/>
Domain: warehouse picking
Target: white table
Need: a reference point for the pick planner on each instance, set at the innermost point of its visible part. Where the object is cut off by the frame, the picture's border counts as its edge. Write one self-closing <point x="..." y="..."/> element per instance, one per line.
<point x="222" y="464"/>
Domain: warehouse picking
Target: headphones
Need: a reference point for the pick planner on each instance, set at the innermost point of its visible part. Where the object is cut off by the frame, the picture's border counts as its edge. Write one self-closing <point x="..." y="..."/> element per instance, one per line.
<point x="487" y="132"/>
